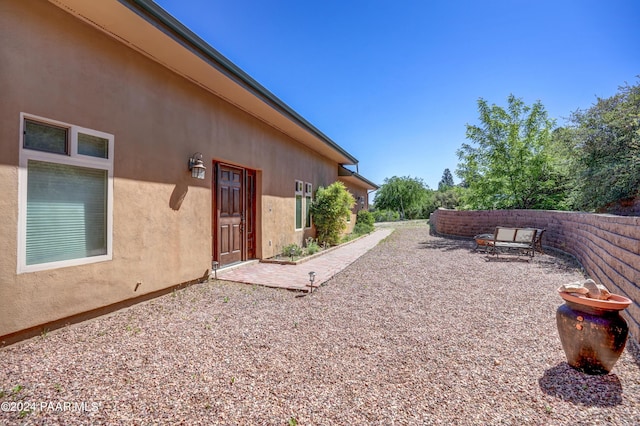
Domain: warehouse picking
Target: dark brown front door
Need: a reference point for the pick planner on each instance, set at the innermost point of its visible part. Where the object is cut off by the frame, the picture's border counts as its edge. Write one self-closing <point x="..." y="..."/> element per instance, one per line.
<point x="230" y="214"/>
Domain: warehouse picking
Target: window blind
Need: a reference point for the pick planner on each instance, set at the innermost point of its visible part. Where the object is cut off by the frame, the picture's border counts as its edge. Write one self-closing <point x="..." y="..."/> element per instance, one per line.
<point x="66" y="212"/>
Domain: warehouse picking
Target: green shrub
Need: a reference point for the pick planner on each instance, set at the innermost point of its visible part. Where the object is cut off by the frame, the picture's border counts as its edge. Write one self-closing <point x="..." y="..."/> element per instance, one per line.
<point x="312" y="246"/>
<point x="364" y="223"/>
<point x="361" y="229"/>
<point x="348" y="237"/>
<point x="330" y="209"/>
<point x="365" y="217"/>
<point x="290" y="249"/>
<point x="386" y="216"/>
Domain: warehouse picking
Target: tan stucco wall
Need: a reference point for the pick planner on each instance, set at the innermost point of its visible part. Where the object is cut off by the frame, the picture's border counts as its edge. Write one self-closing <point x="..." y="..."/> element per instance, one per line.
<point x="357" y="192"/>
<point x="54" y="66"/>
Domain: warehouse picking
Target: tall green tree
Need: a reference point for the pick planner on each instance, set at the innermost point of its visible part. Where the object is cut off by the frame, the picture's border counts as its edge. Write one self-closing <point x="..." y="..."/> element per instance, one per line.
<point x="446" y="181"/>
<point x="406" y="195"/>
<point x="448" y="199"/>
<point x="605" y="141"/>
<point x="509" y="163"/>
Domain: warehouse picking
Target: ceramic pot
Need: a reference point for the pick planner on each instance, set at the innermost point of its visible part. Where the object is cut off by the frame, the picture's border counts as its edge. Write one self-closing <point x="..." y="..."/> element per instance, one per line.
<point x="592" y="332"/>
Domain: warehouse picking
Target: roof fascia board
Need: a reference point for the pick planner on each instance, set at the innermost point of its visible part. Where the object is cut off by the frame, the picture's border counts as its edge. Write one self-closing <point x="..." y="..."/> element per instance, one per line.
<point x="367" y="181"/>
<point x="343" y="172"/>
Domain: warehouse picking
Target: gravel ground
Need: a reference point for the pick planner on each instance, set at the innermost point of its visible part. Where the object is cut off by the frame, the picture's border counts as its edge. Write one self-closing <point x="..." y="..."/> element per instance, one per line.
<point x="420" y="330"/>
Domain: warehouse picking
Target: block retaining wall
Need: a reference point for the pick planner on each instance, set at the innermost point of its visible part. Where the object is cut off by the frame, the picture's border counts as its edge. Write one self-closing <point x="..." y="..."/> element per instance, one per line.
<point x="607" y="246"/>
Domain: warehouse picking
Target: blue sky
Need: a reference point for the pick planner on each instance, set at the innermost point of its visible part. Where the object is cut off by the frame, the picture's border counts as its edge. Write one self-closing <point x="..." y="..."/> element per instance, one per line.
<point x="395" y="82"/>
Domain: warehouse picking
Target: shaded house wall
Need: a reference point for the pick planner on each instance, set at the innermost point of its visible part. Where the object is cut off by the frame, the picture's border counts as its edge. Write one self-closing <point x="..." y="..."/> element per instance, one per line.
<point x="608" y="247"/>
<point x="54" y="66"/>
<point x="359" y="187"/>
<point x="357" y="192"/>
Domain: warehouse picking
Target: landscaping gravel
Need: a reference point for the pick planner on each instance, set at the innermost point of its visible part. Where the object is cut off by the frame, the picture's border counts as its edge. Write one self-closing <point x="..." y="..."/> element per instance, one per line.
<point x="420" y="330"/>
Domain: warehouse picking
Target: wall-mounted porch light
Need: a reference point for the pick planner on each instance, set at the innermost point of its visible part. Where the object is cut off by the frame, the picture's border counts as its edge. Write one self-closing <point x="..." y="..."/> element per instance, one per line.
<point x="361" y="200"/>
<point x="196" y="165"/>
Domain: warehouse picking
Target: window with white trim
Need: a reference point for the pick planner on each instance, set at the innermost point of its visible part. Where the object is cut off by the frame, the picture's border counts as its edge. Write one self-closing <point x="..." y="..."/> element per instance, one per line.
<point x="299" y="192"/>
<point x="65" y="195"/>
<point x="307" y="204"/>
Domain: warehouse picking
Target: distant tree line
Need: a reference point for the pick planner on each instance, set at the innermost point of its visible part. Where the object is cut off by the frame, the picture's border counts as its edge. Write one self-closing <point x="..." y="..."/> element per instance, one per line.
<point x="410" y="198"/>
<point x="516" y="158"/>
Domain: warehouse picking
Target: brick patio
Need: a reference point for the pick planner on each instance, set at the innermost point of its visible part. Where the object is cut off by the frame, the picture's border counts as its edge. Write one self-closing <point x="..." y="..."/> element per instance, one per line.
<point x="296" y="277"/>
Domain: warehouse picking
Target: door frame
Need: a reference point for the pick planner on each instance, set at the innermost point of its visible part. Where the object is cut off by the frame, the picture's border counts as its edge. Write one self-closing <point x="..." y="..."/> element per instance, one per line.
<point x="248" y="210"/>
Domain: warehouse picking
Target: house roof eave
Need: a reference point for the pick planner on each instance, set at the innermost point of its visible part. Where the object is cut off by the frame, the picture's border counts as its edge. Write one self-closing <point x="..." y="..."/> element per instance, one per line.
<point x="356" y="178"/>
<point x="158" y="35"/>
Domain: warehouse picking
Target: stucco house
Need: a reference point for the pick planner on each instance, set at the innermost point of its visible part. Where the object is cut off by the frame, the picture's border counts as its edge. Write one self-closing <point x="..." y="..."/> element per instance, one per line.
<point x="133" y="155"/>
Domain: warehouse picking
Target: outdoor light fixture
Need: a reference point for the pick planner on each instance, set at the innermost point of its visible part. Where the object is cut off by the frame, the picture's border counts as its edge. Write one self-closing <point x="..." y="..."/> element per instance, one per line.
<point x="312" y="278"/>
<point x="196" y="165"/>
<point x="215" y="265"/>
<point x="361" y="199"/>
<point x="292" y="253"/>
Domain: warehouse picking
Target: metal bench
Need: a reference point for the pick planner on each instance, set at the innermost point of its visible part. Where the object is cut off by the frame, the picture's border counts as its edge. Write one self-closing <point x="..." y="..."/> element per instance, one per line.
<point x="509" y="240"/>
<point x="537" y="243"/>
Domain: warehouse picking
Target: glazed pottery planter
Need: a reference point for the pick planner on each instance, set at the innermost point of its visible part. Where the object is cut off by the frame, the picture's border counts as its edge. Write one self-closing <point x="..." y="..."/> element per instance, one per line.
<point x="592" y="331"/>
